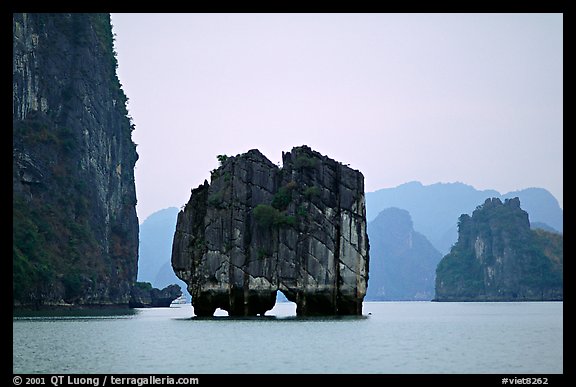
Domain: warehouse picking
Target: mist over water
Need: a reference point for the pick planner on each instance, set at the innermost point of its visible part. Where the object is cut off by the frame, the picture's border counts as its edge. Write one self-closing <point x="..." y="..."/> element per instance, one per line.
<point x="391" y="337"/>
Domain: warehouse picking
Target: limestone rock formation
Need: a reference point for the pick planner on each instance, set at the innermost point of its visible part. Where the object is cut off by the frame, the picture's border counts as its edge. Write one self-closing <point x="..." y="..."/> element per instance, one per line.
<point x="402" y="261"/>
<point x="499" y="258"/>
<point x="143" y="295"/>
<point x="257" y="228"/>
<point x="435" y="208"/>
<point x="75" y="230"/>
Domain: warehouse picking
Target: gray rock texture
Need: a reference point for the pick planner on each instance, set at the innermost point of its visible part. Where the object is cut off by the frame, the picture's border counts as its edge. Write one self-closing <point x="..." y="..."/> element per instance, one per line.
<point x="143" y="295"/>
<point x="257" y="228"/>
<point x="75" y="238"/>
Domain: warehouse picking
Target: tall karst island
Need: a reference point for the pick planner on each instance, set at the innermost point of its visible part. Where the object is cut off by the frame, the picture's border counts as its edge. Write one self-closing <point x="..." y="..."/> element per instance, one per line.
<point x="499" y="258"/>
<point x="258" y="228"/>
<point x="75" y="230"/>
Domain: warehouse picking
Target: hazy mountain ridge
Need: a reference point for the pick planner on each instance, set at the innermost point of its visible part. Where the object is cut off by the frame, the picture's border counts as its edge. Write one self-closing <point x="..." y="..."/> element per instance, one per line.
<point x="156" y="234"/>
<point x="393" y="260"/>
<point x="402" y="261"/>
<point x="435" y="208"/>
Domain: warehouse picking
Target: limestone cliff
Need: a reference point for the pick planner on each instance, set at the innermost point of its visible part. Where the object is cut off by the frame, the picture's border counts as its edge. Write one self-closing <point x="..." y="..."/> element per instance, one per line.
<point x="499" y="258"/>
<point x="402" y="261"/>
<point x="75" y="230"/>
<point x="257" y="228"/>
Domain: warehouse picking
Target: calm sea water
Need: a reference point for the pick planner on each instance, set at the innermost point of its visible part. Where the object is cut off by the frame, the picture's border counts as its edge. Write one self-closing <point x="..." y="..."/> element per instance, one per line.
<point x="392" y="337"/>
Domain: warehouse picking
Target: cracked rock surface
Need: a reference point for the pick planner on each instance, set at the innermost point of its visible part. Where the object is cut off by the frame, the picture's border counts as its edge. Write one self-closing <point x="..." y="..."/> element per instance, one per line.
<point x="75" y="238"/>
<point x="258" y="228"/>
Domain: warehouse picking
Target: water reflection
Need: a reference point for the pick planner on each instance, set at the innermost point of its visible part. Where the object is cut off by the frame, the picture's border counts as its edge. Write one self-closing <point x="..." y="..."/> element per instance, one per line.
<point x="73" y="314"/>
<point x="279" y="318"/>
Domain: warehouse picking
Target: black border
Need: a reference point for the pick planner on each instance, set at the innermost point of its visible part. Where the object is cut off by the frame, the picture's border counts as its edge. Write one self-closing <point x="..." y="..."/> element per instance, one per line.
<point x="468" y="6"/>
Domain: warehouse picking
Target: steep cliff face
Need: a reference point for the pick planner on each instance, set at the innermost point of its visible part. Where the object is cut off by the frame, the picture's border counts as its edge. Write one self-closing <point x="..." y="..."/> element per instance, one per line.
<point x="257" y="228"/>
<point x="498" y="258"/>
<point x="75" y="236"/>
<point x="402" y="261"/>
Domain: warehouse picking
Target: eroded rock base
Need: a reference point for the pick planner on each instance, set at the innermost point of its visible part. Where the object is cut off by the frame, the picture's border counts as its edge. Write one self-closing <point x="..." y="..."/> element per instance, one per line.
<point x="257" y="228"/>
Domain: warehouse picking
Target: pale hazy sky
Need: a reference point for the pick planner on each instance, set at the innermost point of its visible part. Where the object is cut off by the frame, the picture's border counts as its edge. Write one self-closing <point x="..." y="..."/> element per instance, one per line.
<point x="475" y="98"/>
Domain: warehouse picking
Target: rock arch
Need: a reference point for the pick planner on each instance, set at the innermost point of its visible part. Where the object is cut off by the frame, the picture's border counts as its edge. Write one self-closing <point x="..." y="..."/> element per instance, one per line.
<point x="258" y="228"/>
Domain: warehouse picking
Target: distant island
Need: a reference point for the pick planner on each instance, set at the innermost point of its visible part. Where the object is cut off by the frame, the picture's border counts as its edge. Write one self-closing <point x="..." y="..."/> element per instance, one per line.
<point x="155" y="249"/>
<point x="402" y="260"/>
<point x="499" y="258"/>
<point x="143" y="295"/>
<point x="435" y="208"/>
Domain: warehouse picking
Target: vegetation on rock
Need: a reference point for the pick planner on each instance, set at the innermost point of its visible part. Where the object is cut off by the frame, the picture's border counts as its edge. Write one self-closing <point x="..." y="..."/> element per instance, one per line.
<point x="499" y="258"/>
<point x="75" y="230"/>
<point x="258" y="228"/>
